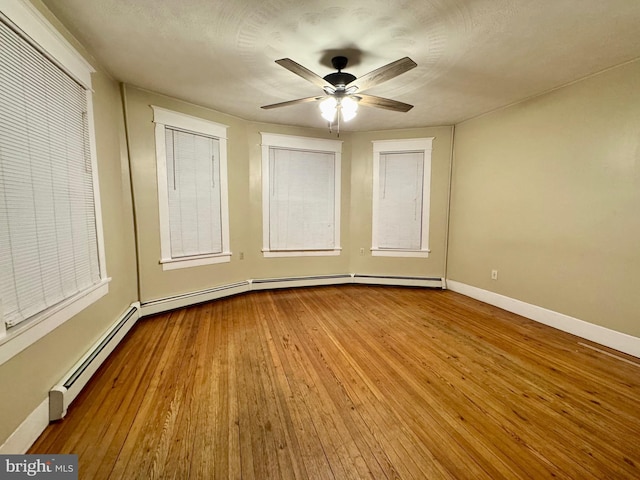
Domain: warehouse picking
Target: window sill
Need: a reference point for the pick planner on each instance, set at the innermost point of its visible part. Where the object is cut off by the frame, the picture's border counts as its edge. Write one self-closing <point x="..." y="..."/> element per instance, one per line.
<point x="30" y="331"/>
<point x="196" y="261"/>
<point x="301" y="253"/>
<point x="389" y="252"/>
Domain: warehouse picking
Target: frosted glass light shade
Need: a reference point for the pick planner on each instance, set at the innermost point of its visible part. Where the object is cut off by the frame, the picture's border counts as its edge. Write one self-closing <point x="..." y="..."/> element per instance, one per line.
<point x="329" y="108"/>
<point x="349" y="108"/>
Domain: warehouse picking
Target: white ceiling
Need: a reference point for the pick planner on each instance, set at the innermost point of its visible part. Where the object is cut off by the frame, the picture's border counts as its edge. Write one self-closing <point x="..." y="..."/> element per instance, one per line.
<point x="473" y="56"/>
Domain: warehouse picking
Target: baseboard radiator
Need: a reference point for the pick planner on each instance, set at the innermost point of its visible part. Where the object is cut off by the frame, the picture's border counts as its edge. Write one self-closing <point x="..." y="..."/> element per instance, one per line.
<point x="339" y="279"/>
<point x="192" y="298"/>
<point x="397" y="280"/>
<point x="308" y="281"/>
<point x="62" y="394"/>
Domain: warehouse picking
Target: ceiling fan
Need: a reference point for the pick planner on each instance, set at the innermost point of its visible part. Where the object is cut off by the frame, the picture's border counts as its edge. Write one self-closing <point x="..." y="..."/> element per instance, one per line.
<point x="343" y="90"/>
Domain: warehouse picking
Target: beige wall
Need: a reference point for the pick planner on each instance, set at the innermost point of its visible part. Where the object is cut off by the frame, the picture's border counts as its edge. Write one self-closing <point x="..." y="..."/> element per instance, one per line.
<point x="245" y="204"/>
<point x="548" y="193"/>
<point x="25" y="379"/>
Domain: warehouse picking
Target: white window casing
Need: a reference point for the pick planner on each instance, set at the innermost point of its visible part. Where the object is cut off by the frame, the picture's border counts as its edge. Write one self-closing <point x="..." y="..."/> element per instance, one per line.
<point x="300" y="196"/>
<point x="401" y="197"/>
<point x="191" y="160"/>
<point x="51" y="239"/>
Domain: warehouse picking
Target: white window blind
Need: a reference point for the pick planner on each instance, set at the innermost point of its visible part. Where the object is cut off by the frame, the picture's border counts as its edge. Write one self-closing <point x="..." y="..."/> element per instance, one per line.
<point x="302" y="200"/>
<point x="400" y="200"/>
<point x="194" y="191"/>
<point x="48" y="232"/>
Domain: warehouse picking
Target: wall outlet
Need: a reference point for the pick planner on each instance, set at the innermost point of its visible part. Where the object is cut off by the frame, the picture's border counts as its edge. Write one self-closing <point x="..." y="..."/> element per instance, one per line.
<point x="362" y="252"/>
<point x="494" y="274"/>
<point x="241" y="255"/>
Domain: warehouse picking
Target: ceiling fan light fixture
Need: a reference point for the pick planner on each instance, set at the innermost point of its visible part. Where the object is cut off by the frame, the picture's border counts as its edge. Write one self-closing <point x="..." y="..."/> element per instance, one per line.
<point x="340" y="102"/>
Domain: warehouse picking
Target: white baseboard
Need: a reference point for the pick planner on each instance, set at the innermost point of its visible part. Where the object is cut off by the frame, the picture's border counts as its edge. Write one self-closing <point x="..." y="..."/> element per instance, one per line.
<point x="28" y="432"/>
<point x="589" y="331"/>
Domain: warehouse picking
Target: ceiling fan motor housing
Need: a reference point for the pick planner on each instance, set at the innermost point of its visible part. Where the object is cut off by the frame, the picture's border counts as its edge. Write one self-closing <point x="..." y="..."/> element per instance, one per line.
<point x="339" y="78"/>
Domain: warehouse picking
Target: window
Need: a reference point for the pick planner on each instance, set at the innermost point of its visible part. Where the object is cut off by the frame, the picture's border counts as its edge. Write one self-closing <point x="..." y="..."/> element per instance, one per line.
<point x="192" y="190"/>
<point x="300" y="196"/>
<point x="401" y="181"/>
<point x="52" y="261"/>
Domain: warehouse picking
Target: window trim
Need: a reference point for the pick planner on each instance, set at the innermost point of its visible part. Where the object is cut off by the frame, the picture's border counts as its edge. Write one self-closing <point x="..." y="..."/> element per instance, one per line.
<point x="424" y="145"/>
<point x="37" y="30"/>
<point x="163" y="118"/>
<point x="294" y="142"/>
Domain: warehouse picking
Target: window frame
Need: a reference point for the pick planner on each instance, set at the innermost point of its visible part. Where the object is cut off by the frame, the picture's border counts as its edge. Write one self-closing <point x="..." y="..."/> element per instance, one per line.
<point x="293" y="142"/>
<point x="163" y="118"/>
<point x="425" y="146"/>
<point x="36" y="30"/>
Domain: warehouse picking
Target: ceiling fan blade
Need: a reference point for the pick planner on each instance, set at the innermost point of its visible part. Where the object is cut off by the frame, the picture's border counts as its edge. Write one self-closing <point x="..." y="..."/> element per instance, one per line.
<point x="291" y="102"/>
<point x="383" y="74"/>
<point x="386" y="103"/>
<point x="303" y="72"/>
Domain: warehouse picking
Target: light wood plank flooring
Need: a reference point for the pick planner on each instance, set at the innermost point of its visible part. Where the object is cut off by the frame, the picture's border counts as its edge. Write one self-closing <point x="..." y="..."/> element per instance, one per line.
<point x="353" y="382"/>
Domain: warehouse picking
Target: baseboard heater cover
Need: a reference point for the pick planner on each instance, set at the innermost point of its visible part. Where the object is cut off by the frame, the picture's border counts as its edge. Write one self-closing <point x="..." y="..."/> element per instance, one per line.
<point x="192" y="298"/>
<point x="402" y="281"/>
<point x="308" y="281"/>
<point x="62" y="394"/>
<point x="187" y="299"/>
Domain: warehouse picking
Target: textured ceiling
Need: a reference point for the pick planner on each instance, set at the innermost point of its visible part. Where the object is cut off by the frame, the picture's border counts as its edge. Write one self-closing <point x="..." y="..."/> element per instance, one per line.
<point x="473" y="56"/>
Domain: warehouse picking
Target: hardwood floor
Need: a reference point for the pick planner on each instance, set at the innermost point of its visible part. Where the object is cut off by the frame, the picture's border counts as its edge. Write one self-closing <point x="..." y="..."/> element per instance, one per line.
<point x="353" y="382"/>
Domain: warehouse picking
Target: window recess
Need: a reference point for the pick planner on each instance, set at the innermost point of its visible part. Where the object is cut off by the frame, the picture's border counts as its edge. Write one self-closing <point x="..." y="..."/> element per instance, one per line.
<point x="401" y="191"/>
<point x="191" y="157"/>
<point x="301" y="196"/>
